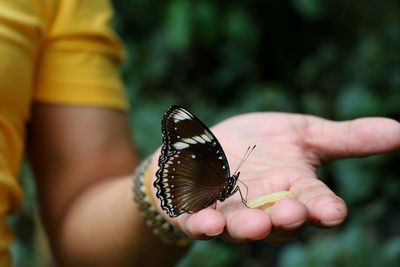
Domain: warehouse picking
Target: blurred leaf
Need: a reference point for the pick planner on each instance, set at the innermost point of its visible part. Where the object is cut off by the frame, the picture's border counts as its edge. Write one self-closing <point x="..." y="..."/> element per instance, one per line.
<point x="349" y="248"/>
<point x="147" y="125"/>
<point x="240" y="27"/>
<point x="22" y="223"/>
<point x="312" y="66"/>
<point x="178" y="25"/>
<point x="294" y="255"/>
<point x="355" y="100"/>
<point x="391" y="251"/>
<point x="309" y="9"/>
<point x="207" y="22"/>
<point x="316" y="104"/>
<point x="208" y="254"/>
<point x="267" y="98"/>
<point x="355" y="182"/>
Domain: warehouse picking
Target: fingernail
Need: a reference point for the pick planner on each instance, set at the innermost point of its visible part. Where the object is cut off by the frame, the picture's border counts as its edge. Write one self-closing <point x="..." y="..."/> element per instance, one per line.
<point x="213" y="234"/>
<point x="331" y="223"/>
<point x="295" y="225"/>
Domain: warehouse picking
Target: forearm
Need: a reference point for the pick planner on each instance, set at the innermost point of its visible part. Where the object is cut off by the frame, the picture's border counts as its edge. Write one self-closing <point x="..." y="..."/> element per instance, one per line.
<point x="100" y="225"/>
<point x="103" y="227"/>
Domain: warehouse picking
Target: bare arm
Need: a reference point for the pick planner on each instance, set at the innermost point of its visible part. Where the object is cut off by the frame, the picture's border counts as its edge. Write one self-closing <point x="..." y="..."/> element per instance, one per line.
<point x="82" y="158"/>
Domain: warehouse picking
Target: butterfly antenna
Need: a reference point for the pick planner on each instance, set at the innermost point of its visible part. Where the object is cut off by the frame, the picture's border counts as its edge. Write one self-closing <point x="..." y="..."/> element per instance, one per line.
<point x="246" y="155"/>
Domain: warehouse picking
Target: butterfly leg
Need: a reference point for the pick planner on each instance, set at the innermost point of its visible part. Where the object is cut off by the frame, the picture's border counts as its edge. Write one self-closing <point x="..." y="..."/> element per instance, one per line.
<point x="247" y="190"/>
<point x="244" y="200"/>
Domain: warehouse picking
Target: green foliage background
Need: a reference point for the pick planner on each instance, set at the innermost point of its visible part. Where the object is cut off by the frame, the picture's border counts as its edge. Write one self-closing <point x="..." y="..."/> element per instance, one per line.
<point x="336" y="59"/>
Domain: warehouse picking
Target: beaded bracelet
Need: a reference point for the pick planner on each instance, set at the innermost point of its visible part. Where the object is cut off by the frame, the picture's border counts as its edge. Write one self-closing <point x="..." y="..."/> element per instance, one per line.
<point x="160" y="227"/>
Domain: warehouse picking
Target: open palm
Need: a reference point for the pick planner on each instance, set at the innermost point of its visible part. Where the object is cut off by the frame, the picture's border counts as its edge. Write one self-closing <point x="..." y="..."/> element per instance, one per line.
<point x="290" y="147"/>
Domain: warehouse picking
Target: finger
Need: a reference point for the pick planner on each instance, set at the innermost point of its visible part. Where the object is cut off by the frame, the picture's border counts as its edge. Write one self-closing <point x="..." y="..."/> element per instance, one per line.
<point x="245" y="224"/>
<point x="206" y="223"/>
<point x="360" y="137"/>
<point x="325" y="208"/>
<point x="288" y="216"/>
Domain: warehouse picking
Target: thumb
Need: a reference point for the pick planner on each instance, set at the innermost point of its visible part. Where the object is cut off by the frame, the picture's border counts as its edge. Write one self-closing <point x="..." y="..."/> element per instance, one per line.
<point x="355" y="138"/>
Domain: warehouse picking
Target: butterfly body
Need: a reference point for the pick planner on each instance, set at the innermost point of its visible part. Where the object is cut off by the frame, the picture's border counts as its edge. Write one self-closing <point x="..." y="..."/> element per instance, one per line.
<point x="193" y="169"/>
<point x="229" y="188"/>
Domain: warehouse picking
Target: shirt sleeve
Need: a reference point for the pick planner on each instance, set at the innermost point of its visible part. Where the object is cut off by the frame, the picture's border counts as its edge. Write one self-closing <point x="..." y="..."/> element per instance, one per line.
<point x="78" y="63"/>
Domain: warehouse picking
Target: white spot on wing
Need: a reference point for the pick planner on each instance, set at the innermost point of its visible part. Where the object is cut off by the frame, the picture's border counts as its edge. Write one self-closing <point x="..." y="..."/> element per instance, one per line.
<point x="199" y="139"/>
<point x="206" y="137"/>
<point x="180" y="115"/>
<point x="190" y="141"/>
<point x="180" y="145"/>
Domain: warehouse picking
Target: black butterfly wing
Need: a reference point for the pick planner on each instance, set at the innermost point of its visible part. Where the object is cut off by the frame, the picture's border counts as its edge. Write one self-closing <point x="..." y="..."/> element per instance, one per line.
<point x="193" y="168"/>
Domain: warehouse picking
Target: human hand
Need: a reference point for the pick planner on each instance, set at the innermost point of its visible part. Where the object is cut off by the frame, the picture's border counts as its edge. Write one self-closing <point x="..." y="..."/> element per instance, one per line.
<point x="290" y="147"/>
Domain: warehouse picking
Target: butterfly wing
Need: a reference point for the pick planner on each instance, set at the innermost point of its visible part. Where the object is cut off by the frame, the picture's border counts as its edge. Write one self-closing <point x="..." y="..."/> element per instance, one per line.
<point x="193" y="168"/>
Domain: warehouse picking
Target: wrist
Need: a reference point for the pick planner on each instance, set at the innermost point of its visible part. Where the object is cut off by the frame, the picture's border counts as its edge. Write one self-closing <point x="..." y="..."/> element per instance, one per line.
<point x="148" y="204"/>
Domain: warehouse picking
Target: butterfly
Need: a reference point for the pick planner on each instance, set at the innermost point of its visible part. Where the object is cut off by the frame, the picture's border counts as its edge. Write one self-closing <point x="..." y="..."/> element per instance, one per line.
<point x="193" y="169"/>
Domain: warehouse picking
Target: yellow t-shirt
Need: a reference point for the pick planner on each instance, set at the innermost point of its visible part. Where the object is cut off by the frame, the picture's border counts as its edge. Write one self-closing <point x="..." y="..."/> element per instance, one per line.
<point x="53" y="51"/>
